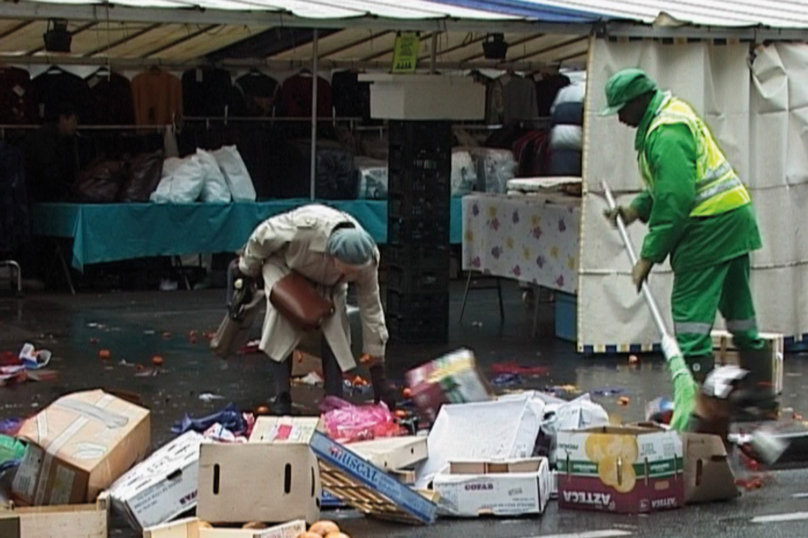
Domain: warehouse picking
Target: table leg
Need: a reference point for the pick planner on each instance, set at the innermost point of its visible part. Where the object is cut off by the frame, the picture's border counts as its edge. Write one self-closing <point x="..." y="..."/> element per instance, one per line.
<point x="465" y="297"/>
<point x="184" y="276"/>
<point x="536" y="292"/>
<point x="501" y="305"/>
<point x="65" y="268"/>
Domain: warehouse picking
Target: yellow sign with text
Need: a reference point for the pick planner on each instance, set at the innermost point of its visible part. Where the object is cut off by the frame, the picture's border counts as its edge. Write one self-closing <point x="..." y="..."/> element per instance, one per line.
<point x="405" y="58"/>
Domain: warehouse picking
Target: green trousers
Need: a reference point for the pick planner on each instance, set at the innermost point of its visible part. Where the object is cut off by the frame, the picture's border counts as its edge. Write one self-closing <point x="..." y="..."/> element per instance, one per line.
<point x="698" y="295"/>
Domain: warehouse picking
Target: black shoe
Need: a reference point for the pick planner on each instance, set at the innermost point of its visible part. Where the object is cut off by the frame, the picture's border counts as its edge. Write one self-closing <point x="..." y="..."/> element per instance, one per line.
<point x="282" y="405"/>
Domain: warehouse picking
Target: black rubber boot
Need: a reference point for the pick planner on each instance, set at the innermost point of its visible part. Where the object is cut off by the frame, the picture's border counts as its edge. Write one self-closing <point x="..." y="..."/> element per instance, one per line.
<point x="383" y="390"/>
<point x="282" y="372"/>
<point x="332" y="373"/>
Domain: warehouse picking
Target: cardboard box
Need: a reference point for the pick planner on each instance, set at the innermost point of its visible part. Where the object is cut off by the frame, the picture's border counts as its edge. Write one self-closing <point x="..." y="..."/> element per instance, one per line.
<point x="620" y="469"/>
<point x="195" y="528"/>
<point x="274" y="477"/>
<point x="359" y="483"/>
<point x="394" y="453"/>
<point x="80" y="445"/>
<point x="708" y="476"/>
<point x="453" y="378"/>
<point x="425" y="97"/>
<point x="67" y="521"/>
<point x="727" y="353"/>
<point x="510" y="488"/>
<point x="162" y="487"/>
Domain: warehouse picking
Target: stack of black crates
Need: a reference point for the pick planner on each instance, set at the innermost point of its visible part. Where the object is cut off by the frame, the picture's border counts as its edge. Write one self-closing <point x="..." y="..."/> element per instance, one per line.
<point x="420" y="167"/>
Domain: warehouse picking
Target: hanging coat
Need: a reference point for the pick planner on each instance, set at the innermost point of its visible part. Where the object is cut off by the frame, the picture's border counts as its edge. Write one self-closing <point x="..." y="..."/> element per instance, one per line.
<point x="297" y="241"/>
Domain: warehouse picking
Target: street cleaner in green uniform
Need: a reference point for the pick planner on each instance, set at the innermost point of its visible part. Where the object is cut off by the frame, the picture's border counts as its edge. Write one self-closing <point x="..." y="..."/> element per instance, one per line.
<point x="700" y="215"/>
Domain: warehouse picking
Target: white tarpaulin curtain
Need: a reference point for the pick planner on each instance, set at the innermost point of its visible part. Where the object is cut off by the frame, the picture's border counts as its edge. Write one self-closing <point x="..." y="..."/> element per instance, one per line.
<point x="759" y="116"/>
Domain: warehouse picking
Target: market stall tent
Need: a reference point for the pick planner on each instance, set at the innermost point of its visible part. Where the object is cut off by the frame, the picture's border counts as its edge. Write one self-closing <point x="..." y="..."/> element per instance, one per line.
<point x="757" y="114"/>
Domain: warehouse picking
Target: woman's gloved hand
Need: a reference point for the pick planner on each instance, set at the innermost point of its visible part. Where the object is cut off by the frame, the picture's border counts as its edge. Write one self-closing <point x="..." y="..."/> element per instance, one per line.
<point x="383" y="390"/>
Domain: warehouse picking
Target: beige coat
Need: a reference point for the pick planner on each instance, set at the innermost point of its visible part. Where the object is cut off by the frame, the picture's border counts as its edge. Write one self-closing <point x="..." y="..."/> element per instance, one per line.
<point x="297" y="241"/>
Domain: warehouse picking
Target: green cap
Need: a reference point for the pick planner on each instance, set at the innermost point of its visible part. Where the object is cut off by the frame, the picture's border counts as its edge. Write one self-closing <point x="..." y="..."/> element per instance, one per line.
<point x="624" y="86"/>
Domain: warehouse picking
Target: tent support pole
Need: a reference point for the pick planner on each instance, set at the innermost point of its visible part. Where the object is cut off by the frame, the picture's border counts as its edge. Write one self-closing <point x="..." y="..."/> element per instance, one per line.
<point x="313" y="163"/>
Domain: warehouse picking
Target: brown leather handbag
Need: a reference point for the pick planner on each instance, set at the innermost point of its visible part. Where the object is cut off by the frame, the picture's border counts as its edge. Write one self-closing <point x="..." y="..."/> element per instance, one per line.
<point x="297" y="300"/>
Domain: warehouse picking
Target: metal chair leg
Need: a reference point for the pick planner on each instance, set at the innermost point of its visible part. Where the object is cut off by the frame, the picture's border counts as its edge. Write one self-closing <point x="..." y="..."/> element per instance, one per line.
<point x="501" y="304"/>
<point x="536" y="293"/>
<point x="17" y="273"/>
<point x="465" y="297"/>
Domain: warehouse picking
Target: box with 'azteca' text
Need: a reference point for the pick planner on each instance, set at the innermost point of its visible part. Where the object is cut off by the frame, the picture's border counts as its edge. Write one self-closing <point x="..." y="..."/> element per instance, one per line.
<point x="620" y="469"/>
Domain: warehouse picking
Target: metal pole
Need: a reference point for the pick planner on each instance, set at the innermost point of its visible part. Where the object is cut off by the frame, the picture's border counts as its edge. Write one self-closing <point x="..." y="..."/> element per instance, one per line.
<point x="621" y="227"/>
<point x="313" y="163"/>
<point x="433" y="53"/>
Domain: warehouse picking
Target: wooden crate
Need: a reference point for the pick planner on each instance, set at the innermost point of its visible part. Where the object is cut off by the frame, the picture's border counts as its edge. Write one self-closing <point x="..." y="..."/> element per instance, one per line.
<point x="66" y="521"/>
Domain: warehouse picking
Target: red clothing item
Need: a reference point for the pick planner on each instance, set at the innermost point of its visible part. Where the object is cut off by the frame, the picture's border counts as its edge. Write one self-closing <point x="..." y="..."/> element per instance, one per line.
<point x="157" y="97"/>
<point x="296" y="97"/>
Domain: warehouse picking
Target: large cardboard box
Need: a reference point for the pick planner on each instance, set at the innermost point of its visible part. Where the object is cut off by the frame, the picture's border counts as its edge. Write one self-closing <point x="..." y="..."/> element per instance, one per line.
<point x="162" y="487"/>
<point x="453" y="378"/>
<point x="425" y="97"/>
<point x="620" y="469"/>
<point x="67" y="521"/>
<point x="509" y="488"/>
<point x="273" y="478"/>
<point x="727" y="353"/>
<point x="196" y="528"/>
<point x="708" y="476"/>
<point x="356" y="481"/>
<point x="393" y="453"/>
<point x="80" y="445"/>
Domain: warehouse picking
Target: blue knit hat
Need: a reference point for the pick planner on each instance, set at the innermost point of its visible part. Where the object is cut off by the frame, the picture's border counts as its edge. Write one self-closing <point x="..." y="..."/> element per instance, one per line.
<point x="352" y="246"/>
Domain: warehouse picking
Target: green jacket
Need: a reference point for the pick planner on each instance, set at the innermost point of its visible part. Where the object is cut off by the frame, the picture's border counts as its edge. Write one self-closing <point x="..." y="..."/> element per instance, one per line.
<point x="692" y="243"/>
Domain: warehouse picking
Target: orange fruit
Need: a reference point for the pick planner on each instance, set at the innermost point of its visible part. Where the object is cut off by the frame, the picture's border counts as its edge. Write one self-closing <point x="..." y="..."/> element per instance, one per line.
<point x="104" y="354"/>
<point x="157" y="360"/>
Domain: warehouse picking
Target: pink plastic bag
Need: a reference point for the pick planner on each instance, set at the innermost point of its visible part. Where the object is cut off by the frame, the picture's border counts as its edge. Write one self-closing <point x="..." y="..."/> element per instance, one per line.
<point x="348" y="423"/>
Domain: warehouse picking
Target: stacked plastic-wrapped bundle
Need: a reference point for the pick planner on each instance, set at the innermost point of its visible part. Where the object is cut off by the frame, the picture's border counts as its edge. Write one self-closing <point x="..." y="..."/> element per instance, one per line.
<point x="372" y="177"/>
<point x="566" y="137"/>
<point x="495" y="166"/>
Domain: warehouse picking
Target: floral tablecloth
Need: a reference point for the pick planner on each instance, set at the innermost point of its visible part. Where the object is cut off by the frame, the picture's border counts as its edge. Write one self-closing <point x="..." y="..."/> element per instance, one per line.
<point x="532" y="239"/>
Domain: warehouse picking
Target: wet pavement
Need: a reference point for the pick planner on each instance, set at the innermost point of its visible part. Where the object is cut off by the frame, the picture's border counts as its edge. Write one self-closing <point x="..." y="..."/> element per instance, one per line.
<point x="136" y="326"/>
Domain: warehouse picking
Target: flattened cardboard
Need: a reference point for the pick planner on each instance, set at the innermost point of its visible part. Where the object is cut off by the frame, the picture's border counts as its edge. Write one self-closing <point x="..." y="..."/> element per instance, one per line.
<point x="708" y="476"/>
<point x="80" y="445"/>
<point x="67" y="521"/>
<point x="620" y="469"/>
<point x="509" y="488"/>
<point x="394" y="453"/>
<point x="271" y="481"/>
<point x="352" y="479"/>
<point x="162" y="487"/>
<point x="194" y="528"/>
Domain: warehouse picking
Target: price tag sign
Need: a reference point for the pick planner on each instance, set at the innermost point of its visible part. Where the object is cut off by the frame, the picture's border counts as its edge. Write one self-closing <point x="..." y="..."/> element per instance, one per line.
<point x="405" y="58"/>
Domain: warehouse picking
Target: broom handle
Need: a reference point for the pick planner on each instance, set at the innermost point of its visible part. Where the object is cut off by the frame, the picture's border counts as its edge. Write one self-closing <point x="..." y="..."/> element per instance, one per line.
<point x="646" y="291"/>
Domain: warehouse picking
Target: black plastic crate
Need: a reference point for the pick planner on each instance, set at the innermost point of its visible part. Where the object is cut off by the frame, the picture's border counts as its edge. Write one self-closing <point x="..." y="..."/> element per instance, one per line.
<point x="426" y="159"/>
<point x="411" y="280"/>
<point x="419" y="330"/>
<point x="432" y="183"/>
<point x="402" y="231"/>
<point x="415" y="305"/>
<point x="421" y="205"/>
<point x="416" y="256"/>
<point x="421" y="134"/>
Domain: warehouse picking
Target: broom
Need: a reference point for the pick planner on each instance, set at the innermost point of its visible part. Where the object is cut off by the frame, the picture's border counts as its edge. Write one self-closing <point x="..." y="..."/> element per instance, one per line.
<point x="684" y="387"/>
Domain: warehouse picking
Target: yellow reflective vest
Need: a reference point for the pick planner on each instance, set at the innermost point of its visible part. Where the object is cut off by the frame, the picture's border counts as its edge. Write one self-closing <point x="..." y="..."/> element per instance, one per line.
<point x="718" y="188"/>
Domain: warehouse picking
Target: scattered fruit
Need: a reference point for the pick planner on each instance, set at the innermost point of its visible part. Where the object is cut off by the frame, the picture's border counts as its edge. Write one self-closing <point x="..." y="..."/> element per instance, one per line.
<point x="337" y="535"/>
<point x="407" y="392"/>
<point x="157" y="360"/>
<point x="324" y="528"/>
<point x="400" y="413"/>
<point x="262" y="410"/>
<point x="104" y="354"/>
<point x="633" y="359"/>
<point x="623" y="401"/>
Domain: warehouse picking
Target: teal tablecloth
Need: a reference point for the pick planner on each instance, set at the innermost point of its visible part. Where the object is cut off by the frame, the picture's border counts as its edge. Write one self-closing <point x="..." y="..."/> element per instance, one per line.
<point x="114" y="232"/>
